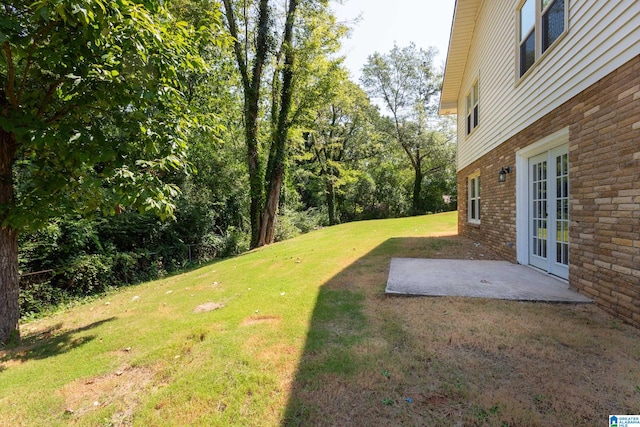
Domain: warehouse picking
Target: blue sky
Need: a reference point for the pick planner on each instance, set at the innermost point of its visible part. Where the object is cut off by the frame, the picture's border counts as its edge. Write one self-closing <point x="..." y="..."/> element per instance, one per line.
<point x="383" y="22"/>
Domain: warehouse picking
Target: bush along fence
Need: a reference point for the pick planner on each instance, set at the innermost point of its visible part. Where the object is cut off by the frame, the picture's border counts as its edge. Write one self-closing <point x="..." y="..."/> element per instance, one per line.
<point x="92" y="274"/>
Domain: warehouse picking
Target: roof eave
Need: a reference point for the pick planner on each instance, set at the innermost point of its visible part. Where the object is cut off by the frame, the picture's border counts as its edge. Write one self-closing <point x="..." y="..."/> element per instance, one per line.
<point x="462" y="27"/>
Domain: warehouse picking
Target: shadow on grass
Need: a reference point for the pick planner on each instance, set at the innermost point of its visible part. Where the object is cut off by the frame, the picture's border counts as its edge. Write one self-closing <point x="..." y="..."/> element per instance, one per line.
<point x="50" y="342"/>
<point x="339" y="377"/>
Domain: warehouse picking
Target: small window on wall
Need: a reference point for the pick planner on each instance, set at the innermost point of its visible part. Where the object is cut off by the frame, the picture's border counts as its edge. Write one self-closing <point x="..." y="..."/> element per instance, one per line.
<point x="473" y="205"/>
<point x="541" y="23"/>
<point x="472" y="108"/>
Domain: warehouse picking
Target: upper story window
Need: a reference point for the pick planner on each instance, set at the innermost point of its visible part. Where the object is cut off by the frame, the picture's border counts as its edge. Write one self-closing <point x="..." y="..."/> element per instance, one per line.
<point x="472" y="108"/>
<point x="541" y="23"/>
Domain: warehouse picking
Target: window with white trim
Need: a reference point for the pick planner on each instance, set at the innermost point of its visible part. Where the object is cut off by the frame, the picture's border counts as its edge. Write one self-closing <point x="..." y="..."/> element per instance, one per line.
<point x="473" y="198"/>
<point x="541" y="23"/>
<point x="472" y="108"/>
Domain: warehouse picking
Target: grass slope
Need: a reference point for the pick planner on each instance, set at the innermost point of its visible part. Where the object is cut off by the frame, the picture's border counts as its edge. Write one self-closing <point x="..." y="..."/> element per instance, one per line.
<point x="300" y="333"/>
<point x="145" y="348"/>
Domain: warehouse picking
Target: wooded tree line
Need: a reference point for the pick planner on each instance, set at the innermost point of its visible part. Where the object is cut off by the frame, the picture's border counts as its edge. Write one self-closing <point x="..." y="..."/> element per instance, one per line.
<point x="137" y="137"/>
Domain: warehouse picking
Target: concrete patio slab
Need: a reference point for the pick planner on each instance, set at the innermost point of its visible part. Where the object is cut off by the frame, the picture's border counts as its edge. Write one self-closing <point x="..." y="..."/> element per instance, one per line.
<point x="481" y="279"/>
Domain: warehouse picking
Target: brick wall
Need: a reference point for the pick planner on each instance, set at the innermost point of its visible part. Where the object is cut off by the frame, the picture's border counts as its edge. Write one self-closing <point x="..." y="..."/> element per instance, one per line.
<point x="604" y="156"/>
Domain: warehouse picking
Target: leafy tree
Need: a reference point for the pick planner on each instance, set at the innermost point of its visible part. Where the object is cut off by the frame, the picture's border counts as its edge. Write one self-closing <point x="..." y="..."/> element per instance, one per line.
<point x="251" y="68"/>
<point x="214" y="198"/>
<point x="92" y="116"/>
<point x="340" y="137"/>
<point x="405" y="82"/>
<point x="266" y="44"/>
<point x="440" y="179"/>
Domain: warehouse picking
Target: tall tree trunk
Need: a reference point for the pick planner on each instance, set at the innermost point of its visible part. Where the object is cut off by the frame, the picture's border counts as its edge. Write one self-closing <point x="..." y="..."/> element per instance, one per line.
<point x="417" y="186"/>
<point x="278" y="152"/>
<point x="268" y="224"/>
<point x="9" y="281"/>
<point x="256" y="188"/>
<point x="331" y="202"/>
<point x="251" y="82"/>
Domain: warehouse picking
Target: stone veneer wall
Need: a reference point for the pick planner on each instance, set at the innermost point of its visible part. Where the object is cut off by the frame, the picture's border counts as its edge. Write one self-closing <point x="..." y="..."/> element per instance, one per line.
<point x="604" y="162"/>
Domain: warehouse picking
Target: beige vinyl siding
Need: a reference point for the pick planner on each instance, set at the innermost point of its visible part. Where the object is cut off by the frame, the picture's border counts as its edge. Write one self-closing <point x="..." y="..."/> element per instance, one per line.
<point x="602" y="35"/>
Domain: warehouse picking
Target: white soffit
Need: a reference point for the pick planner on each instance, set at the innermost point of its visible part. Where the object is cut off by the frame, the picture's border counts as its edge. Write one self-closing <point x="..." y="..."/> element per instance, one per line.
<point x="464" y="21"/>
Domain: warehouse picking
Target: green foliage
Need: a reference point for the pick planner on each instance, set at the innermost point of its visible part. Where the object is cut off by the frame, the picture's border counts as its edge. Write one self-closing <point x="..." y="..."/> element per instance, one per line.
<point x="92" y="95"/>
<point x="405" y="83"/>
<point x="150" y="114"/>
<point x="86" y="342"/>
<point x="124" y="136"/>
<point x="233" y="242"/>
<point x="403" y="79"/>
<point x="292" y="223"/>
<point x="74" y="258"/>
<point x="89" y="274"/>
<point x="338" y="138"/>
<point x="37" y="298"/>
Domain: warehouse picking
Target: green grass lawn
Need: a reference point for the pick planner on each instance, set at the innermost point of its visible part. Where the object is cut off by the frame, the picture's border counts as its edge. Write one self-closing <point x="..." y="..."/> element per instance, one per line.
<point x="143" y="356"/>
<point x="301" y="333"/>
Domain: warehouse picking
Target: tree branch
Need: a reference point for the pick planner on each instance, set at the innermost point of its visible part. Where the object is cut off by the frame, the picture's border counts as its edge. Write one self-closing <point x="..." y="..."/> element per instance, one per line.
<point x="246" y="29"/>
<point x="275" y="88"/>
<point x="261" y="44"/>
<point x="32" y="49"/>
<point x="11" y="71"/>
<point x="48" y="96"/>
<point x="410" y="155"/>
<point x="237" y="48"/>
<point x="60" y="114"/>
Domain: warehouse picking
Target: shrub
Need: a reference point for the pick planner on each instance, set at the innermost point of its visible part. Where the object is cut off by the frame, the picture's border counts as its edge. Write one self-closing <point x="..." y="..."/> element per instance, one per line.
<point x="88" y="274"/>
<point x="292" y="223"/>
<point x="233" y="242"/>
<point x="37" y="297"/>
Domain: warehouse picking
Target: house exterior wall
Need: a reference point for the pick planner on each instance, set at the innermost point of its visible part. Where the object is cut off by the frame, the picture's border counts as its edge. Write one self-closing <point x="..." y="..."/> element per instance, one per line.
<point x="601" y="36"/>
<point x="604" y="160"/>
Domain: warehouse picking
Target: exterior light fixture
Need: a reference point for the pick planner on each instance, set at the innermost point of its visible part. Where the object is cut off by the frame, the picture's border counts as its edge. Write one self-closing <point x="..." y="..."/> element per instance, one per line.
<point x="502" y="175"/>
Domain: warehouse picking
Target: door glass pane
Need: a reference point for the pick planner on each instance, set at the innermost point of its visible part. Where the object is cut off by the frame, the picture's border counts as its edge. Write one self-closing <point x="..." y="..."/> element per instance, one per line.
<point x="562" y="209"/>
<point x="539" y="210"/>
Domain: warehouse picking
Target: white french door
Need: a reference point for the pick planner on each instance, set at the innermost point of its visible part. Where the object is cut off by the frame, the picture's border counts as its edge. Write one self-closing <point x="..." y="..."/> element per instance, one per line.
<point x="548" y="235"/>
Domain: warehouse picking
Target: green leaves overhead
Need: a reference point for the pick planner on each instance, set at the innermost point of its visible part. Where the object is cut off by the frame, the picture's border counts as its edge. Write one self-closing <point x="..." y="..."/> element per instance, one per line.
<point x="92" y="92"/>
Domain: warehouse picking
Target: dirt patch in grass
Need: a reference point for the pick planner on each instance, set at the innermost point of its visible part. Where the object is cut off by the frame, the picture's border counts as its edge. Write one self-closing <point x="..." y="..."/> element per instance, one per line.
<point x="256" y="320"/>
<point x="443" y="247"/>
<point x="122" y="390"/>
<point x="206" y="307"/>
<point x="458" y="361"/>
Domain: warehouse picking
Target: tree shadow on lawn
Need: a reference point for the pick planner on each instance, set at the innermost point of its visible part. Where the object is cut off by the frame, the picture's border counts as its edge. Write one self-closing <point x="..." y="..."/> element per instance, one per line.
<point x="372" y="359"/>
<point x="53" y="341"/>
<point x="342" y="343"/>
